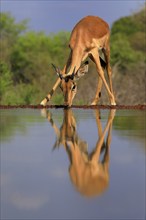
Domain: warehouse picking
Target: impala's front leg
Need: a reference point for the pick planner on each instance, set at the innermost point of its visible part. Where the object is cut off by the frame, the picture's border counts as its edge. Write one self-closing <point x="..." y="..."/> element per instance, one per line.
<point x="48" y="97"/>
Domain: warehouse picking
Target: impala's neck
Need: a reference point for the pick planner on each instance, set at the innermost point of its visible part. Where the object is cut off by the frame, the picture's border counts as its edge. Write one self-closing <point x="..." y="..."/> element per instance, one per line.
<point x="89" y="33"/>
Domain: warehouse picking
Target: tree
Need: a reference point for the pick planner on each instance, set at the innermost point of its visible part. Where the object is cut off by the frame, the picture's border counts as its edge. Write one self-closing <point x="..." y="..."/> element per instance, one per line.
<point x="9" y="32"/>
<point x="128" y="41"/>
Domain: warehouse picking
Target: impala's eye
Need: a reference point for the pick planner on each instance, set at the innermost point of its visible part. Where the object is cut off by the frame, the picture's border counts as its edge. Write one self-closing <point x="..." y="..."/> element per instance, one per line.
<point x="73" y="87"/>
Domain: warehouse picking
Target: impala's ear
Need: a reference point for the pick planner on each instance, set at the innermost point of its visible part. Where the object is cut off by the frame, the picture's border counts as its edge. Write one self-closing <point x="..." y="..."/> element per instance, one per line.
<point x="82" y="70"/>
<point x="57" y="70"/>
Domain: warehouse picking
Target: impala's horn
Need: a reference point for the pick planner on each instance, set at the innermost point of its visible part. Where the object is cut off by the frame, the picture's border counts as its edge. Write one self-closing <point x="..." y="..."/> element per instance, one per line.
<point x="57" y="70"/>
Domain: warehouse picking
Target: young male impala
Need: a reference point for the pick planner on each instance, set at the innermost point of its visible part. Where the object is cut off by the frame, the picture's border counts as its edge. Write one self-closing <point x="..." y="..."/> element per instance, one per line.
<point x="88" y="173"/>
<point x="89" y="36"/>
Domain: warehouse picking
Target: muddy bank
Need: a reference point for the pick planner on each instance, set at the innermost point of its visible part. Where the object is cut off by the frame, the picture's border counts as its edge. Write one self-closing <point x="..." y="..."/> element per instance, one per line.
<point x="139" y="107"/>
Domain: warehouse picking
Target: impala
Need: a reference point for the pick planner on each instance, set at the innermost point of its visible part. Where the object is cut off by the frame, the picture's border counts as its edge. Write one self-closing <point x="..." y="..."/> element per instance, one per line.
<point x="88" y="173"/>
<point x="89" y="37"/>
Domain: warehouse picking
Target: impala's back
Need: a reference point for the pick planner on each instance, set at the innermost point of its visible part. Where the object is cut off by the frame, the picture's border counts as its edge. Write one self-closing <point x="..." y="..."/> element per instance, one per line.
<point x="87" y="30"/>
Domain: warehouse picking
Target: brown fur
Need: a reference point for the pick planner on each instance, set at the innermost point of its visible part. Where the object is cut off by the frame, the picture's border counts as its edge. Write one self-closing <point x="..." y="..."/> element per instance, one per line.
<point x="88" y="173"/>
<point x="89" y="36"/>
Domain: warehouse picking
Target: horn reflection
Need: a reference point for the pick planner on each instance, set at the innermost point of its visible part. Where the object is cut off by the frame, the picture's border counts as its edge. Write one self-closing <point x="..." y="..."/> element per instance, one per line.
<point x="88" y="172"/>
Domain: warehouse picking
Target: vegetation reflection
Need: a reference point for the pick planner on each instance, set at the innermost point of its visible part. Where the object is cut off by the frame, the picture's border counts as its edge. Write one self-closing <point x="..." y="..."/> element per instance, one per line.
<point x="89" y="172"/>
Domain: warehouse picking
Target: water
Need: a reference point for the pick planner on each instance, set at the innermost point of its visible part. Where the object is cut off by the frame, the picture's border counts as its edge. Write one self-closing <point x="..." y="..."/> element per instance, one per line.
<point x="72" y="164"/>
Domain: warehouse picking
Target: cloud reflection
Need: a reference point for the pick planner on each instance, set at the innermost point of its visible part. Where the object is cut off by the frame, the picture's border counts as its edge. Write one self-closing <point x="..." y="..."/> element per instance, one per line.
<point x="28" y="202"/>
<point x="5" y="179"/>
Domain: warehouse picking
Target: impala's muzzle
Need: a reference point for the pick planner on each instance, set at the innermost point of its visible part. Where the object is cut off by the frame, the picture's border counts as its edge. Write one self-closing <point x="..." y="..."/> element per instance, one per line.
<point x="69" y="92"/>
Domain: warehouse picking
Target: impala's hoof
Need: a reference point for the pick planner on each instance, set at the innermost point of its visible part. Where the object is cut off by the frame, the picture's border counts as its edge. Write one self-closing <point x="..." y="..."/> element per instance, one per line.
<point x="93" y="103"/>
<point x="113" y="103"/>
<point x="43" y="103"/>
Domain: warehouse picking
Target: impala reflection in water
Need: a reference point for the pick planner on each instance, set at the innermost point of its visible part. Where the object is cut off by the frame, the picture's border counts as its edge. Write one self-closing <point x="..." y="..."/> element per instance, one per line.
<point x="88" y="172"/>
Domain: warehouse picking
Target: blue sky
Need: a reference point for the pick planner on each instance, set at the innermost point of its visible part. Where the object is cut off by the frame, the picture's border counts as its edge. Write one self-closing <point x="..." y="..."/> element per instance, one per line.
<point x="62" y="15"/>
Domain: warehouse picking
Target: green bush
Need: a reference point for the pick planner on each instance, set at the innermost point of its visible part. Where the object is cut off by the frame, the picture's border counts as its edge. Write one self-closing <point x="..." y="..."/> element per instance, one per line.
<point x="5" y="79"/>
<point x="20" y="94"/>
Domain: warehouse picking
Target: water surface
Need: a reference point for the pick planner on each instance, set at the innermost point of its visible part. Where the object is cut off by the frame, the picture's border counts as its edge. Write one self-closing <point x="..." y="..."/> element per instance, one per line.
<point x="72" y="164"/>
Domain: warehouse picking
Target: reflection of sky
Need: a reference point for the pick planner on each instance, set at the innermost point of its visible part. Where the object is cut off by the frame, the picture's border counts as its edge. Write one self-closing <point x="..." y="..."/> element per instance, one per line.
<point x="28" y="202"/>
<point x="54" y="16"/>
<point x="35" y="180"/>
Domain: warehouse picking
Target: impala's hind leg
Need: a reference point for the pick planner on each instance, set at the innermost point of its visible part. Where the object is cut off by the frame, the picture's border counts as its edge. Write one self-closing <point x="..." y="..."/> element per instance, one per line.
<point x="100" y="71"/>
<point x="99" y="86"/>
<point x="106" y="52"/>
<point x="98" y="91"/>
